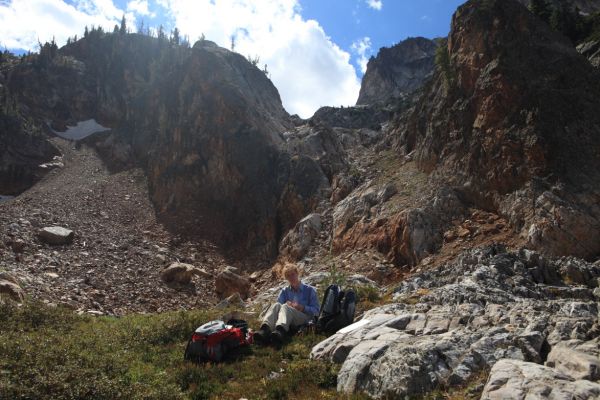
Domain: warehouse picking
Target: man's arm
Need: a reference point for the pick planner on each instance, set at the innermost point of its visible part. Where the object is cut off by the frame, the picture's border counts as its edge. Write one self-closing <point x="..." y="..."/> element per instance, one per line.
<point x="312" y="308"/>
<point x="282" y="297"/>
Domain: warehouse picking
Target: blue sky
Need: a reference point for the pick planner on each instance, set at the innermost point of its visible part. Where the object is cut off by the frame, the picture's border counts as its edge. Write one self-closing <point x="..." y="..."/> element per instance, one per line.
<point x="316" y="50"/>
<point x="346" y="21"/>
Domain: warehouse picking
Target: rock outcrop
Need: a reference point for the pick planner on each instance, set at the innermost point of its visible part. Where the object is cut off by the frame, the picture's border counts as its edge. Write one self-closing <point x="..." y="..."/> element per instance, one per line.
<point x="516" y="379"/>
<point x="591" y="50"/>
<point x="182" y="273"/>
<point x="448" y="324"/>
<point x="576" y="359"/>
<point x="510" y="120"/>
<point x="405" y="237"/>
<point x="10" y="287"/>
<point x="204" y="123"/>
<point x="229" y="282"/>
<point x="298" y="240"/>
<point x="351" y="117"/>
<point x="23" y="147"/>
<point x="584" y="6"/>
<point x="397" y="71"/>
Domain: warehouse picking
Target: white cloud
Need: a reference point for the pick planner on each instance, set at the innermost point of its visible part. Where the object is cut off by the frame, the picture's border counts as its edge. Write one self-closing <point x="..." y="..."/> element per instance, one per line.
<point x="140" y="7"/>
<point x="308" y="69"/>
<point x="24" y="22"/>
<point x="375" y="4"/>
<point x="360" y="47"/>
<point x="306" y="66"/>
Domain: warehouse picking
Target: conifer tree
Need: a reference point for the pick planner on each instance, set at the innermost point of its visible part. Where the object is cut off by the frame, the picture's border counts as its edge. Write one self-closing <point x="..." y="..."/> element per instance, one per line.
<point x="123" y="28"/>
<point x="175" y="36"/>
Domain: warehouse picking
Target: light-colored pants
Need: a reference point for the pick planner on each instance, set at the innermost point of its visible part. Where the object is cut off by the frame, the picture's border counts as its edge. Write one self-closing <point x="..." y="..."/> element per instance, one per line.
<point x="285" y="316"/>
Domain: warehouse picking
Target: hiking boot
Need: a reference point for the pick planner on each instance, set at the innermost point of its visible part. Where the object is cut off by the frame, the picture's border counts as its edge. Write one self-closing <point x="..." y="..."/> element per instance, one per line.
<point x="263" y="335"/>
<point x="278" y="335"/>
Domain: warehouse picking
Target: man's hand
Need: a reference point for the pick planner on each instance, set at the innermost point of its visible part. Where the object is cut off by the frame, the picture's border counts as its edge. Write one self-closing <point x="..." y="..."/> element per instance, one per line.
<point x="295" y="305"/>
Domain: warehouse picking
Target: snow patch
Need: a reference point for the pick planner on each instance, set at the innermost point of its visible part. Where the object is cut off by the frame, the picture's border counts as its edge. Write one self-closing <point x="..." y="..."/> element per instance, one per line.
<point x="82" y="130"/>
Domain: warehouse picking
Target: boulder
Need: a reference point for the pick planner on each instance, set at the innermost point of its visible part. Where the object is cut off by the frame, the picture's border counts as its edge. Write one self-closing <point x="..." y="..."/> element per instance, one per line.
<point x="182" y="273"/>
<point x="11" y="289"/>
<point x="514" y="379"/>
<point x="228" y="283"/>
<point x="591" y="50"/>
<point x="296" y="243"/>
<point x="341" y="186"/>
<point x="56" y="235"/>
<point x="235" y="300"/>
<point x="573" y="363"/>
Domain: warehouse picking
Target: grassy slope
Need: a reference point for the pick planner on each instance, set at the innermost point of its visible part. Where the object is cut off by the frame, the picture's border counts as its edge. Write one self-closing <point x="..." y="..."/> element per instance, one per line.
<point x="52" y="353"/>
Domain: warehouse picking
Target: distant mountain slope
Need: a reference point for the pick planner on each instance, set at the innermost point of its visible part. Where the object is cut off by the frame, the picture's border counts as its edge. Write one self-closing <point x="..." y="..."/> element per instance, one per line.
<point x="397" y="71"/>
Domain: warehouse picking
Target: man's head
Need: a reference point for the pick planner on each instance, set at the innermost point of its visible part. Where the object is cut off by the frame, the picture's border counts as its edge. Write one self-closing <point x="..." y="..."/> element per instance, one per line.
<point x="292" y="275"/>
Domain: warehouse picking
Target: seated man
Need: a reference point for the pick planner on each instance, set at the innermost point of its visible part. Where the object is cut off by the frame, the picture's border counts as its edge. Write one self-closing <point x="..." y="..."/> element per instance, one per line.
<point x="296" y="305"/>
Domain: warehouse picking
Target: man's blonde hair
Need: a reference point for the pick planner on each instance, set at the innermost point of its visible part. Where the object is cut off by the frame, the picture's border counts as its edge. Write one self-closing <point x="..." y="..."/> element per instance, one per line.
<point x="289" y="268"/>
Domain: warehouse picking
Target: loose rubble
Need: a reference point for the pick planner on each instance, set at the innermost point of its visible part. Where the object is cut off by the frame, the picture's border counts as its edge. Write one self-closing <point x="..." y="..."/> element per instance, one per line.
<point x="116" y="249"/>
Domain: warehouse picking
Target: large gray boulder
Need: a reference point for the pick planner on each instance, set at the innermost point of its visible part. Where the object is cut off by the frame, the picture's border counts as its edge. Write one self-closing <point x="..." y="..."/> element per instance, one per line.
<point x="228" y="282"/>
<point x="514" y="379"/>
<point x="449" y="323"/>
<point x="56" y="235"/>
<point x="576" y="361"/>
<point x="182" y="273"/>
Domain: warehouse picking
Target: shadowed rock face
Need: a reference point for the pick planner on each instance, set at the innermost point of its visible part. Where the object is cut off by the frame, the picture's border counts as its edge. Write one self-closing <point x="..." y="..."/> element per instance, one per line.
<point x="585" y="6"/>
<point x="512" y="121"/>
<point x="204" y="123"/>
<point x="397" y="71"/>
<point x="23" y="148"/>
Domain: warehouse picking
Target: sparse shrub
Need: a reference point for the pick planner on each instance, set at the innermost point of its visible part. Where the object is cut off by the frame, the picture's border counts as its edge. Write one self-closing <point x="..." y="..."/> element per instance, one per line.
<point x="368" y="293"/>
<point x="442" y="60"/>
<point x="335" y="276"/>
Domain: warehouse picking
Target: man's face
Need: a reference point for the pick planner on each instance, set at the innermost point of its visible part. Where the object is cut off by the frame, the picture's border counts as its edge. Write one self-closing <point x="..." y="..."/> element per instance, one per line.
<point x="292" y="278"/>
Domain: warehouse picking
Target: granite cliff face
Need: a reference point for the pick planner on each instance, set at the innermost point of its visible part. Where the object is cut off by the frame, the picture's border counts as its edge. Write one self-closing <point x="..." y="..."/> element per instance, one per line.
<point x="509" y="121"/>
<point x="397" y="71"/>
<point x="204" y="123"/>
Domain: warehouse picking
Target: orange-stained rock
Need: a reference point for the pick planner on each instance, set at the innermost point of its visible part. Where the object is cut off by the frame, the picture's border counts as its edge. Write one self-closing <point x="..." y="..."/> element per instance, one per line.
<point x="512" y="123"/>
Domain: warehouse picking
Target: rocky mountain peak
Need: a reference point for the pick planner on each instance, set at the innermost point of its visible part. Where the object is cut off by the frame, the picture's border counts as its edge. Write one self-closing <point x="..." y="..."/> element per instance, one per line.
<point x="489" y="125"/>
<point x="397" y="71"/>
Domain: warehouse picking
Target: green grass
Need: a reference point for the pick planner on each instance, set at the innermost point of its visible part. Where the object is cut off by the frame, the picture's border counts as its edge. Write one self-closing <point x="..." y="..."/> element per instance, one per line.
<point x="51" y="353"/>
